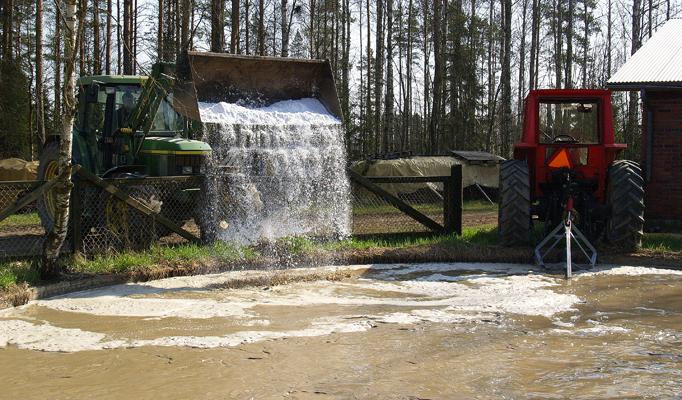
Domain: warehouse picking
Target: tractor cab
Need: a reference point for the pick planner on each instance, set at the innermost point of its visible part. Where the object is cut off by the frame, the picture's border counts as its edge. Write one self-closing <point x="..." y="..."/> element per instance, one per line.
<point x="568" y="132"/>
<point x="121" y="126"/>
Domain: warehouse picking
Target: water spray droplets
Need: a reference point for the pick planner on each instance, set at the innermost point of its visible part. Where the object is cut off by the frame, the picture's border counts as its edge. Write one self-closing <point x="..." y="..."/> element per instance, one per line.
<point x="289" y="173"/>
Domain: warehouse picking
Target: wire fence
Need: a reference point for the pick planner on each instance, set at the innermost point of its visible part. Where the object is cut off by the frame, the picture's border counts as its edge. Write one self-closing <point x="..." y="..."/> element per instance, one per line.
<point x="373" y="214"/>
<point x="103" y="222"/>
<point x="21" y="233"/>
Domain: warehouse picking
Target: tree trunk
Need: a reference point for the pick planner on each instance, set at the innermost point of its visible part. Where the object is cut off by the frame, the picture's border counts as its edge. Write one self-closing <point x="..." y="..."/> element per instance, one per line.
<point x="434" y="126"/>
<point x="491" y="64"/>
<point x="608" y="40"/>
<point x="55" y="238"/>
<point x="557" y="30"/>
<point x="534" y="44"/>
<point x="378" y="72"/>
<point x="160" y="53"/>
<point x="97" y="57"/>
<point x="345" y="62"/>
<point x="522" y="62"/>
<point x="368" y="108"/>
<point x="107" y="57"/>
<point x="569" y="44"/>
<point x="407" y="108"/>
<point x="586" y="44"/>
<point x="127" y="37"/>
<point x="261" y="27"/>
<point x="388" y="110"/>
<point x="134" y="37"/>
<point x="285" y="29"/>
<point x="7" y="29"/>
<point x="505" y="79"/>
<point x="217" y="18"/>
<point x="82" y="5"/>
<point x="234" y="33"/>
<point x="40" y="93"/>
<point x="185" y="39"/>
<point x="247" y="27"/>
<point x="119" y="64"/>
<point x="57" y="46"/>
<point x="633" y="106"/>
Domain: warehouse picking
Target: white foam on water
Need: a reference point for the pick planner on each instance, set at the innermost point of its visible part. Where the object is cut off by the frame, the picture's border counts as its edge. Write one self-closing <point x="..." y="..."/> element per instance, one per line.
<point x="46" y="337"/>
<point x="521" y="294"/>
<point x="480" y="298"/>
<point x="627" y="270"/>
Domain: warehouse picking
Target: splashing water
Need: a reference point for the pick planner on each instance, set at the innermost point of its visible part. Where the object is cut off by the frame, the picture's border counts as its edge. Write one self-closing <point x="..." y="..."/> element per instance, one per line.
<point x="288" y="175"/>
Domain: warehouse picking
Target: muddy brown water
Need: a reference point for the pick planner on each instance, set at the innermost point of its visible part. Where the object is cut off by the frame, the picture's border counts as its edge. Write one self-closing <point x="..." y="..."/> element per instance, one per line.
<point x="429" y="331"/>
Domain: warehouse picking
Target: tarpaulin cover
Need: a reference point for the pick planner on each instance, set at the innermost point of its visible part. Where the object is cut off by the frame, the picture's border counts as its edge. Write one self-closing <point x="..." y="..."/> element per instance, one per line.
<point x="484" y="175"/>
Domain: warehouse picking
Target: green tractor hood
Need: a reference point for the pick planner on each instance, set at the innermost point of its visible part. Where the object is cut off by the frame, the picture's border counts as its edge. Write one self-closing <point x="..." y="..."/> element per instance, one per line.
<point x="166" y="156"/>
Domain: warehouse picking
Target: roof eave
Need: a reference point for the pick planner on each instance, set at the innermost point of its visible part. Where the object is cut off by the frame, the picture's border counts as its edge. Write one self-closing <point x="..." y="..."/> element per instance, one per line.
<point x="643" y="85"/>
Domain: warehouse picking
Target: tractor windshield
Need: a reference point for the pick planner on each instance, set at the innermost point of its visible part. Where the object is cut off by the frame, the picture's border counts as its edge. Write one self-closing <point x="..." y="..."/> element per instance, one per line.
<point x="568" y="122"/>
<point x="166" y="120"/>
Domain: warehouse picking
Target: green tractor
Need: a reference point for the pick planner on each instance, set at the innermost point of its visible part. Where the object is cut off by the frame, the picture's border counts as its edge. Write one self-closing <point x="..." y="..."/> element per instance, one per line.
<point x="130" y="127"/>
<point x="126" y="127"/>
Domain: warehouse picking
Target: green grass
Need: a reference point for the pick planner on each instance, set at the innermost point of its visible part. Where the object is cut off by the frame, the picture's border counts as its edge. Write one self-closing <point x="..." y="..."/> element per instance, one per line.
<point x="662" y="241"/>
<point x="481" y="235"/>
<point x="15" y="272"/>
<point x="479" y="206"/>
<point x="129" y="261"/>
<point x="21" y="220"/>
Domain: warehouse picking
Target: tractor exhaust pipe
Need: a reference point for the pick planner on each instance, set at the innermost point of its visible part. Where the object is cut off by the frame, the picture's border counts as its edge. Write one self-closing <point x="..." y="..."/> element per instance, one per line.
<point x="254" y="80"/>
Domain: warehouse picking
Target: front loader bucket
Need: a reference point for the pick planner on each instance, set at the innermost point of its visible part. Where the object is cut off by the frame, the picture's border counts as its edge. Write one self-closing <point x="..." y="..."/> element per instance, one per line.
<point x="260" y="81"/>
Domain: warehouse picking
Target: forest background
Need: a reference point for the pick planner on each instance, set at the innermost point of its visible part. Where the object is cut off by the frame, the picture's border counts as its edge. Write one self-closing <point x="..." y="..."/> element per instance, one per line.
<point x="419" y="76"/>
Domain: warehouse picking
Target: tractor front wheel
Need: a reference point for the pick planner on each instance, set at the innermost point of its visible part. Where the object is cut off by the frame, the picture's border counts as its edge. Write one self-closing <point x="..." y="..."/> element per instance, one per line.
<point x="48" y="169"/>
<point x="625" y="198"/>
<point x="514" y="208"/>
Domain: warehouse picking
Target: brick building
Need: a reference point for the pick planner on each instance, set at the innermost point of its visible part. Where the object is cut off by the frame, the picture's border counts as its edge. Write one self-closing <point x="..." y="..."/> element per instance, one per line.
<point x="655" y="70"/>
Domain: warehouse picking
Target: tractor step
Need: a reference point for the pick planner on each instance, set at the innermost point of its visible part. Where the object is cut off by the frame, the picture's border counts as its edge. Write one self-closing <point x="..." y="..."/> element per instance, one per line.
<point x="566" y="231"/>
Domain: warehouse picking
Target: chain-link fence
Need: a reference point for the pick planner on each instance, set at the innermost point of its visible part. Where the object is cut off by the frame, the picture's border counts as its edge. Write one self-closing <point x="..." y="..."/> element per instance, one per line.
<point x="21" y="233"/>
<point x="104" y="222"/>
<point x="113" y="215"/>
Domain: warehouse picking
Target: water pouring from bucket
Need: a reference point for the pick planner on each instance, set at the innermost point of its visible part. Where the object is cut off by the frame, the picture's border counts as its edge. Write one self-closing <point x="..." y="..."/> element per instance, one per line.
<point x="276" y="123"/>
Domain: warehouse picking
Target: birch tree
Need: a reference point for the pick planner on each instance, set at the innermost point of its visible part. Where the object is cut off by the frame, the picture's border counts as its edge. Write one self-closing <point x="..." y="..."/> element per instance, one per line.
<point x="55" y="238"/>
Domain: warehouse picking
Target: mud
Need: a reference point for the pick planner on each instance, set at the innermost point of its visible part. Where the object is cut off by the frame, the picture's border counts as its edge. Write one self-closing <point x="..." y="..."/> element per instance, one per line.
<point x="372" y="332"/>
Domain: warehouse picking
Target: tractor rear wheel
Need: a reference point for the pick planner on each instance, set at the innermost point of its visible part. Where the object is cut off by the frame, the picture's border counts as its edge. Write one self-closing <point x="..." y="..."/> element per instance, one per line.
<point x="625" y="197"/>
<point x="514" y="208"/>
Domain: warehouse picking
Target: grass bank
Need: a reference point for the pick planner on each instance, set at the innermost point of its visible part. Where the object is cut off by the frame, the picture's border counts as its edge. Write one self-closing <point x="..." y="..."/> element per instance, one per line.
<point x="475" y="244"/>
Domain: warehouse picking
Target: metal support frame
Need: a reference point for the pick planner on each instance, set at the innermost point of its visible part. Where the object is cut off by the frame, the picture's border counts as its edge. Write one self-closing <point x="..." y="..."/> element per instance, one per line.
<point x="571" y="234"/>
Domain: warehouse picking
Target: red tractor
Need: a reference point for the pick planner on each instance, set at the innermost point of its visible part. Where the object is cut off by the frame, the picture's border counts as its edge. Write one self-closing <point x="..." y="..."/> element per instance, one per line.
<point x="565" y="171"/>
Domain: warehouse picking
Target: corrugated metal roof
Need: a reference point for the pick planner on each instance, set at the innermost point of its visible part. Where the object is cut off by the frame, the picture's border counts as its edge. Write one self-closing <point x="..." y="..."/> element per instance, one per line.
<point x="657" y="63"/>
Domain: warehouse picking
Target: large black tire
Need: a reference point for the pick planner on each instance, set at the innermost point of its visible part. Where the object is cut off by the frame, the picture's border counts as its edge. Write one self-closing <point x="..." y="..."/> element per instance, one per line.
<point x="625" y="198"/>
<point x="47" y="169"/>
<point x="133" y="229"/>
<point x="514" y="208"/>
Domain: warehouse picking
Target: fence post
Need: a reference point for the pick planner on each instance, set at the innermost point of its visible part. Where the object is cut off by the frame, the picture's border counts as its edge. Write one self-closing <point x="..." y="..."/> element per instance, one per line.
<point x="76" y="215"/>
<point x="452" y="209"/>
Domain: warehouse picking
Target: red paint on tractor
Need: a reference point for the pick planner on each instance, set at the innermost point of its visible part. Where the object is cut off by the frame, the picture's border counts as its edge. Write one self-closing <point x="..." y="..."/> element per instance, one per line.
<point x="599" y="155"/>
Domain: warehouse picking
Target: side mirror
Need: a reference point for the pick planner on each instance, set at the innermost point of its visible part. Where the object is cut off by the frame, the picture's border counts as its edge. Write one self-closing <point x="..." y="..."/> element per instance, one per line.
<point x="92" y="93"/>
